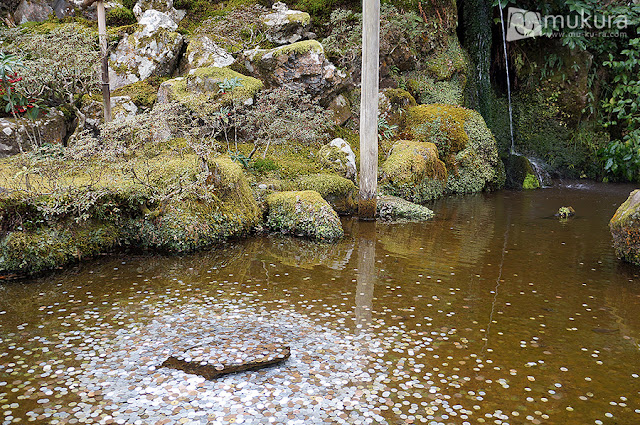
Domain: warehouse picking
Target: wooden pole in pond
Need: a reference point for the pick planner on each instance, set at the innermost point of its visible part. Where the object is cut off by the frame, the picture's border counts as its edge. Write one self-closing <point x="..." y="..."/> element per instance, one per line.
<point x="369" y="109"/>
<point x="104" y="58"/>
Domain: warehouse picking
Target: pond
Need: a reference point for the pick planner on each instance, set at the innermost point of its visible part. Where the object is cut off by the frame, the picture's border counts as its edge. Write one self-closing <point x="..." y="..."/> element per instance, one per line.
<point x="493" y="312"/>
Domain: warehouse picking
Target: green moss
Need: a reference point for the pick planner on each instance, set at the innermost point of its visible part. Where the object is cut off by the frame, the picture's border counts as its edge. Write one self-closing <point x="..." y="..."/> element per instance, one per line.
<point x="530" y="182"/>
<point x="443" y="64"/>
<point x="300" y="47"/>
<point x="391" y="208"/>
<point x="439" y="124"/>
<point x="120" y="16"/>
<point x="29" y="252"/>
<point x="303" y="213"/>
<point x="339" y="192"/>
<point x="201" y="88"/>
<point x="301" y="18"/>
<point x="142" y="93"/>
<point x="414" y="172"/>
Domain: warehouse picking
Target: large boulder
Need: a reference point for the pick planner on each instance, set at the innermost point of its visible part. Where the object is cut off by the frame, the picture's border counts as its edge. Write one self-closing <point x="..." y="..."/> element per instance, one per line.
<point x="625" y="229"/>
<point x="464" y="142"/>
<point x="202" y="86"/>
<point x="203" y="52"/>
<point x="41" y="10"/>
<point x="339" y="157"/>
<point x="286" y="26"/>
<point x="414" y="172"/>
<point x="339" y="192"/>
<point x="300" y="66"/>
<point x="520" y="173"/>
<point x="21" y="135"/>
<point x="303" y="213"/>
<point x="152" y="50"/>
<point x="164" y="6"/>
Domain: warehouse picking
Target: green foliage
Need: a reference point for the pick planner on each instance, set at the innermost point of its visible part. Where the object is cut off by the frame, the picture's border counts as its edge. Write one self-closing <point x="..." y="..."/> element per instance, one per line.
<point x="120" y="16"/>
<point x="622" y="157"/>
<point x="281" y="115"/>
<point x="530" y="182"/>
<point x="386" y="131"/>
<point x="263" y="165"/>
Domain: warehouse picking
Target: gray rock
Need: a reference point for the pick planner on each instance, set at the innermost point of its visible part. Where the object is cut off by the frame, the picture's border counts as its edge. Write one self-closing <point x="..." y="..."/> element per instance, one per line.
<point x="339" y="156"/>
<point x="164" y="6"/>
<point x="32" y="10"/>
<point x="286" y="26"/>
<point x="153" y="50"/>
<point x="121" y="108"/>
<point x="203" y="52"/>
<point x="300" y="66"/>
<point x="18" y="135"/>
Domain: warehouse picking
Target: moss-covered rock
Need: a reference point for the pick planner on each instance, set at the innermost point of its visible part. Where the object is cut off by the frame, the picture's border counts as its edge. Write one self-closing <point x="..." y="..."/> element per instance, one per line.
<point x="414" y="172"/>
<point x="156" y="200"/>
<point x="393" y="104"/>
<point x="338" y="156"/>
<point x="520" y="173"/>
<point x="201" y="88"/>
<point x="227" y="210"/>
<point x="300" y="66"/>
<point x="464" y="144"/>
<point x="625" y="229"/>
<point x="303" y="213"/>
<point x="392" y="208"/>
<point x="339" y="192"/>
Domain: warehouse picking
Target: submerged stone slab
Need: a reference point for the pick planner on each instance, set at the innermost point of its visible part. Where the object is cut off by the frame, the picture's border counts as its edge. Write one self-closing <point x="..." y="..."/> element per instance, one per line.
<point x="211" y="362"/>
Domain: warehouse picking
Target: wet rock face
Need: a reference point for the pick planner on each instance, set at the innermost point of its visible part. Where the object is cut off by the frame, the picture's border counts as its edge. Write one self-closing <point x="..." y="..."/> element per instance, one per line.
<point x="304" y="213"/>
<point x="211" y="362"/>
<point x="286" y="26"/>
<point x="300" y="66"/>
<point x="154" y="50"/>
<point x="14" y="135"/>
<point x="625" y="229"/>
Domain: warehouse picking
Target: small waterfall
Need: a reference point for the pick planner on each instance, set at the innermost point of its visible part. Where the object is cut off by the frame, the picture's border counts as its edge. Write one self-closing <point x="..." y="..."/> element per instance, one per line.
<point x="540" y="171"/>
<point x="506" y="61"/>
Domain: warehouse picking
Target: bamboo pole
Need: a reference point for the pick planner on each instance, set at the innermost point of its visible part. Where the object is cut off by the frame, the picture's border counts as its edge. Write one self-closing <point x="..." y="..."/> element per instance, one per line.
<point x="102" y="34"/>
<point x="369" y="109"/>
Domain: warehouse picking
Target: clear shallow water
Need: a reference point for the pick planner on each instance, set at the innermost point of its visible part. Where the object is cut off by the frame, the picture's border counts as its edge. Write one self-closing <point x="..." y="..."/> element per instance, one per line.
<point x="494" y="312"/>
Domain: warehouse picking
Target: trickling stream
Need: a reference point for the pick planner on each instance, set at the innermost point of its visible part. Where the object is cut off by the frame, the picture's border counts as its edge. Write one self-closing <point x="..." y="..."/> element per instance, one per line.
<point x="506" y="62"/>
<point x="493" y="312"/>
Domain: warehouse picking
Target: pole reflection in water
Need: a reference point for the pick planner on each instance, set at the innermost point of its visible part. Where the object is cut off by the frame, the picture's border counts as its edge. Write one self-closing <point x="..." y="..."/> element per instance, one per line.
<point x="367" y="273"/>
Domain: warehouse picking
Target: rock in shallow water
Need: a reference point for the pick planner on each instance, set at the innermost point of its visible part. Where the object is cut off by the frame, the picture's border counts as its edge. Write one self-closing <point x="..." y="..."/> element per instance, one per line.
<point x="625" y="229"/>
<point x="237" y="356"/>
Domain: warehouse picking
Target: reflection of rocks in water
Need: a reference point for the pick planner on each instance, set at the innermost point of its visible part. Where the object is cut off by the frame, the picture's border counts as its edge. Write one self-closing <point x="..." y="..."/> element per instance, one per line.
<point x="621" y="308"/>
<point x="308" y="254"/>
<point x="437" y="244"/>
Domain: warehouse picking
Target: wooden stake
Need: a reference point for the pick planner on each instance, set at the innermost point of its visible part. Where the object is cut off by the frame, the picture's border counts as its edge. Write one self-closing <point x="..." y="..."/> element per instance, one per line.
<point x="369" y="109"/>
<point x="102" y="34"/>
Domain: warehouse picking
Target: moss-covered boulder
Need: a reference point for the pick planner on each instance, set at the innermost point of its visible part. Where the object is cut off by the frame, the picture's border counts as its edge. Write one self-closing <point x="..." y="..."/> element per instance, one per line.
<point x="22" y="134"/>
<point x="625" y="229"/>
<point x="464" y="142"/>
<point x="224" y="208"/>
<point x="300" y="66"/>
<point x="202" y="89"/>
<point x="393" y="104"/>
<point x="303" y="213"/>
<point x="339" y="192"/>
<point x="204" y="52"/>
<point x="414" y="172"/>
<point x="392" y="208"/>
<point x="160" y="201"/>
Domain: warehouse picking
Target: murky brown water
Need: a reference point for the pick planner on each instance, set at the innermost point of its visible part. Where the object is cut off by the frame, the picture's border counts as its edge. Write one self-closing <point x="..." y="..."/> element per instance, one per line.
<point x="494" y="312"/>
